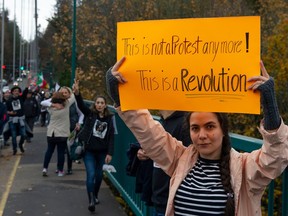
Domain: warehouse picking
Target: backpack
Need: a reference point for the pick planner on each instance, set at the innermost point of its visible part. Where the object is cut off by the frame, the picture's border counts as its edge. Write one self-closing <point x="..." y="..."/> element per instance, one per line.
<point x="133" y="161"/>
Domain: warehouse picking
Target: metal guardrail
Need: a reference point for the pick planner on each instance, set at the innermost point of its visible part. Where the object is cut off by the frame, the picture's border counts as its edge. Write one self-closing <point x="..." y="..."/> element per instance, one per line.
<point x="126" y="184"/>
<point x="248" y="144"/>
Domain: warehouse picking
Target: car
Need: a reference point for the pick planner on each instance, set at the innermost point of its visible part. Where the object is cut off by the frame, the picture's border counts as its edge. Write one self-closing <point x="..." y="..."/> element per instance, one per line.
<point x="15" y="83"/>
<point x="19" y="79"/>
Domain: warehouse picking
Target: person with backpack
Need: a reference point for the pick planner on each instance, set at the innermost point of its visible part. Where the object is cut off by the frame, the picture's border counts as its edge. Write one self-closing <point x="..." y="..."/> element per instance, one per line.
<point x="97" y="136"/>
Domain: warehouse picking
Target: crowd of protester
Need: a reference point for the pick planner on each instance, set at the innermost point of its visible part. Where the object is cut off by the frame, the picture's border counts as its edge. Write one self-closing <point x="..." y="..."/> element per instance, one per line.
<point x="189" y="152"/>
<point x="59" y="112"/>
<point x="21" y="111"/>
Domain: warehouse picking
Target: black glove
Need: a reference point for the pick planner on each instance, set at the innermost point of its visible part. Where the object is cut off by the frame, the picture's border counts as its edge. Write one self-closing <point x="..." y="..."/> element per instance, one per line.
<point x="272" y="118"/>
<point x="112" y="87"/>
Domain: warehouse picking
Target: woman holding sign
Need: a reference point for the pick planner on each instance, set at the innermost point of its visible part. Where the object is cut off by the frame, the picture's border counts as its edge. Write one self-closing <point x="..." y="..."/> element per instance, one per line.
<point x="209" y="177"/>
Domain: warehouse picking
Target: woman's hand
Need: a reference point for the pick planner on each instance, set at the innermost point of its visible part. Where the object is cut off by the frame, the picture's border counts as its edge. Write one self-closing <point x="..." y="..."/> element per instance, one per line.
<point x="116" y="73"/>
<point x="75" y="87"/>
<point x="77" y="126"/>
<point x="142" y="155"/>
<point x="259" y="80"/>
<point x="113" y="78"/>
<point x="108" y="159"/>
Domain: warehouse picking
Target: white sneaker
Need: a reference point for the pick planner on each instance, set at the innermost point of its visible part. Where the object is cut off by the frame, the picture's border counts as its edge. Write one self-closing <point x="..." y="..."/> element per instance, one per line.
<point x="44" y="172"/>
<point x="61" y="173"/>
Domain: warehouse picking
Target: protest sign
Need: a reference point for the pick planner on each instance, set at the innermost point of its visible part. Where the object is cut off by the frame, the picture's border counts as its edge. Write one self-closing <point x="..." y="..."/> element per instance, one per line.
<point x="197" y="64"/>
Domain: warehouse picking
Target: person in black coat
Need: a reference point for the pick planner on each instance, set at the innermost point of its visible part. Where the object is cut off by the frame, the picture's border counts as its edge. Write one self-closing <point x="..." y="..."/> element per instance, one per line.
<point x="6" y="95"/>
<point x="16" y="117"/>
<point x="3" y="117"/>
<point x="97" y="135"/>
<point x="31" y="111"/>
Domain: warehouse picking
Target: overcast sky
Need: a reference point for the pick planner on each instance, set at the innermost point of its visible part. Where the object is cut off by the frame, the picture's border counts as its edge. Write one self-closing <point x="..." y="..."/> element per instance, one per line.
<point x="27" y="23"/>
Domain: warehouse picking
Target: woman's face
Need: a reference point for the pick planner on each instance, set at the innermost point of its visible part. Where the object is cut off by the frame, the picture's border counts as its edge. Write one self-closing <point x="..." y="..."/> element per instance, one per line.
<point x="206" y="134"/>
<point x="65" y="92"/>
<point x="100" y="105"/>
<point x="7" y="94"/>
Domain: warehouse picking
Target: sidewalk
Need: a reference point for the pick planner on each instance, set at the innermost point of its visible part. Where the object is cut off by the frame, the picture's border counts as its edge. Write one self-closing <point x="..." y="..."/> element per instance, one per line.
<point x="23" y="190"/>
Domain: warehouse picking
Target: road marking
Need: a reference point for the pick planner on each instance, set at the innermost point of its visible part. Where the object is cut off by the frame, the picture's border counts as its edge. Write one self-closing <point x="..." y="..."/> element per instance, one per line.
<point x="9" y="185"/>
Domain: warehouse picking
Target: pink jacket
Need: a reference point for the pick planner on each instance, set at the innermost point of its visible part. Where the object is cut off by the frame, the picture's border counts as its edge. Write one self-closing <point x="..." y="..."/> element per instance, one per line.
<point x="250" y="172"/>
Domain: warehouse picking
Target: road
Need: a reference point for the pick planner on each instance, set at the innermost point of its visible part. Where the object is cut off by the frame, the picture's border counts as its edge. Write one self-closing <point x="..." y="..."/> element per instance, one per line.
<point x="24" y="191"/>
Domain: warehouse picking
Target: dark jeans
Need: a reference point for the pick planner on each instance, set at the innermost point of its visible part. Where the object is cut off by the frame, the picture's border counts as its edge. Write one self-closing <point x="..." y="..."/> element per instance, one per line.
<point x="94" y="163"/>
<point x="44" y="117"/>
<point x="30" y="122"/>
<point x="155" y="213"/>
<point x="15" y="129"/>
<point x="1" y="128"/>
<point x="61" y="143"/>
<point x="69" y="161"/>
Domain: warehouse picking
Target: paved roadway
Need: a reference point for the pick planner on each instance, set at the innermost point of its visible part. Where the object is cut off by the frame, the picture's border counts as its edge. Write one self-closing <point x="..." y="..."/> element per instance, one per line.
<point x="23" y="190"/>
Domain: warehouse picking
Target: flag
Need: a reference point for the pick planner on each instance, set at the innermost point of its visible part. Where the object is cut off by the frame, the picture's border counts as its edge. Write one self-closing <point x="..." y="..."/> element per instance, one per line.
<point x="57" y="87"/>
<point x="41" y="82"/>
<point x="40" y="79"/>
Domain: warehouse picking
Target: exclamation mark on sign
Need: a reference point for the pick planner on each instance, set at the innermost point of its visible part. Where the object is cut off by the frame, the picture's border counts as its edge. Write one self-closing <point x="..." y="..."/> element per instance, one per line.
<point x="247" y="42"/>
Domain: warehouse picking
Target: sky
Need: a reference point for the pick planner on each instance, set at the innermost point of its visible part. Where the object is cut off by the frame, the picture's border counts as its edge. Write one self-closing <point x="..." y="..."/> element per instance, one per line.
<point x="27" y="22"/>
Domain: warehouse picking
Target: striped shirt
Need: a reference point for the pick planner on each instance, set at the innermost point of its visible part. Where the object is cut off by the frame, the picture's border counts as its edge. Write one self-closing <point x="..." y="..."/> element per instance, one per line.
<point x="201" y="192"/>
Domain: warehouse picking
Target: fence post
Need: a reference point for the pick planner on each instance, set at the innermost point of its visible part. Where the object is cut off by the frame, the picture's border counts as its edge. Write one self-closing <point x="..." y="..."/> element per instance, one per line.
<point x="271" y="198"/>
<point x="285" y="193"/>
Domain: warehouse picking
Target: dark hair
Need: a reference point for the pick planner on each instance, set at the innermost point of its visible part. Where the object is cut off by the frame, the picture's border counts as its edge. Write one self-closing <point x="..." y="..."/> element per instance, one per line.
<point x="224" y="162"/>
<point x="106" y="110"/>
<point x="58" y="97"/>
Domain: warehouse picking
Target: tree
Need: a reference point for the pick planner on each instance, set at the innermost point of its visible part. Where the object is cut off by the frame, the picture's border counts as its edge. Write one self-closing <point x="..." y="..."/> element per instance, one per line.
<point x="97" y="28"/>
<point x="8" y="44"/>
<point x="277" y="64"/>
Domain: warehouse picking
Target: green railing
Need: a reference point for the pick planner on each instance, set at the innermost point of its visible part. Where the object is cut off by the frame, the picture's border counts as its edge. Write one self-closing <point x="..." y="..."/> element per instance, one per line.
<point x="126" y="184"/>
<point x="248" y="144"/>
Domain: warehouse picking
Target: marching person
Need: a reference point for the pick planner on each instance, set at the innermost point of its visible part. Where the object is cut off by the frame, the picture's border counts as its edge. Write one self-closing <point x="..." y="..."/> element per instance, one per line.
<point x="6" y="95"/>
<point x="15" y="110"/>
<point x="76" y="120"/>
<point x="31" y="111"/>
<point x="97" y="135"/>
<point x="58" y="130"/>
<point x="210" y="169"/>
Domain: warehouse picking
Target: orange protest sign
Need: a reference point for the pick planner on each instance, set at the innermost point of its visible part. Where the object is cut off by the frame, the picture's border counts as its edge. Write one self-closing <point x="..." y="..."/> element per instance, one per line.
<point x="199" y="64"/>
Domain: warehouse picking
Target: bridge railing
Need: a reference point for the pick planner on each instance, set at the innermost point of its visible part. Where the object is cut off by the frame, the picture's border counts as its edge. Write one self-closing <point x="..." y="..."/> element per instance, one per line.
<point x="126" y="184"/>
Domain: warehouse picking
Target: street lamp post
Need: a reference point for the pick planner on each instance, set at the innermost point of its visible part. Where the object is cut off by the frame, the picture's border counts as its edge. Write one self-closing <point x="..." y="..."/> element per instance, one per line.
<point x="2" y="48"/>
<point x="14" y="41"/>
<point x="36" y="39"/>
<point x="73" y="65"/>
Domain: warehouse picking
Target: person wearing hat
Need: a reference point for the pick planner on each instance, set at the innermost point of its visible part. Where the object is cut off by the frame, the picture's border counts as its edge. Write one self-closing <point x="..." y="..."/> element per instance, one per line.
<point x="6" y="95"/>
<point x="16" y="117"/>
<point x="31" y="111"/>
<point x="3" y="119"/>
